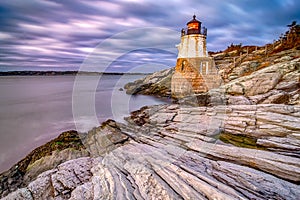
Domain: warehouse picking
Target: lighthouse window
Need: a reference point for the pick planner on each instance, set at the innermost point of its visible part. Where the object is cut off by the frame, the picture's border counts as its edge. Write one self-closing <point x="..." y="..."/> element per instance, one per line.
<point x="182" y="65"/>
<point x="200" y="67"/>
<point x="193" y="26"/>
<point x="204" y="68"/>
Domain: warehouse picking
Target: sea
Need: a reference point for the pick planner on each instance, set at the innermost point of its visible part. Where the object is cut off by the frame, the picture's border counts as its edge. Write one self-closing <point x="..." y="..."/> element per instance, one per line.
<point x="36" y="109"/>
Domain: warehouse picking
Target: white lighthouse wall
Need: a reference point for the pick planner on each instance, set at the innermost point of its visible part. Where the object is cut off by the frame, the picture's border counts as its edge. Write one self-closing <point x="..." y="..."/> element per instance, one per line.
<point x="192" y="46"/>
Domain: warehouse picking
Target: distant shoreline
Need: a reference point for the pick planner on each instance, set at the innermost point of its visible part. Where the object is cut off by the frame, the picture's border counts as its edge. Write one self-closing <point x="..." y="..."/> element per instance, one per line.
<point x="55" y="73"/>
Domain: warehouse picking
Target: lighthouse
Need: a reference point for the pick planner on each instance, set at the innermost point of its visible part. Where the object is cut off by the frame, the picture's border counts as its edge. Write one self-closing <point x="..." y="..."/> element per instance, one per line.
<point x="195" y="71"/>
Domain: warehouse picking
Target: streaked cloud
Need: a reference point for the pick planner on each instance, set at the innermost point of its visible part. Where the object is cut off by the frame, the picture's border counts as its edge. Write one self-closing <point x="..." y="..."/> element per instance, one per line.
<point x="41" y="34"/>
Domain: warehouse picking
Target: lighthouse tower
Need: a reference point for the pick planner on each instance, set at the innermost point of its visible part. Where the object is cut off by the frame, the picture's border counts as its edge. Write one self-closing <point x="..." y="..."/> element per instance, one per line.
<point x="195" y="71"/>
<point x="193" y="40"/>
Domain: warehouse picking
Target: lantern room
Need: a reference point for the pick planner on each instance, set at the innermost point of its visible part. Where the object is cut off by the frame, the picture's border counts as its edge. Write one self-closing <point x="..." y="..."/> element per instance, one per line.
<point x="193" y="26"/>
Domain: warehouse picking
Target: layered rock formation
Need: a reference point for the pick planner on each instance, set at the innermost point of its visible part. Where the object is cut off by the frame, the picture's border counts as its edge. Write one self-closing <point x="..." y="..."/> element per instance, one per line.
<point x="278" y="83"/>
<point x="66" y="146"/>
<point x="182" y="152"/>
<point x="157" y="84"/>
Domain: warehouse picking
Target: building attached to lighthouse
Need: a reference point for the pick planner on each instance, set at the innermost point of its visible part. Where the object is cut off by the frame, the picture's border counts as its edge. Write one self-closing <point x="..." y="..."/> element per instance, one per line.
<point x="195" y="71"/>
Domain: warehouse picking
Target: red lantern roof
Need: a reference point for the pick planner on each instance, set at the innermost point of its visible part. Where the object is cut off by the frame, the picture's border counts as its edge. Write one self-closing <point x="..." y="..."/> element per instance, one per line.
<point x="193" y="20"/>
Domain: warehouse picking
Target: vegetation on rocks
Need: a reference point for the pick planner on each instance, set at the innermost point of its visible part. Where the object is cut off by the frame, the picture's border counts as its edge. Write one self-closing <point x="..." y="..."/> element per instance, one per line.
<point x="66" y="146"/>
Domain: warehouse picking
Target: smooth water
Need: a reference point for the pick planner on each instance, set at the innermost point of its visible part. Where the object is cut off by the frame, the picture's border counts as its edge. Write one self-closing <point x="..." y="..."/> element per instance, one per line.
<point x="36" y="109"/>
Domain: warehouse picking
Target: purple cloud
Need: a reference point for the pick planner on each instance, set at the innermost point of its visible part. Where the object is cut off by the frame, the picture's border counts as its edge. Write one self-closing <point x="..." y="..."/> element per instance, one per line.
<point x="45" y="34"/>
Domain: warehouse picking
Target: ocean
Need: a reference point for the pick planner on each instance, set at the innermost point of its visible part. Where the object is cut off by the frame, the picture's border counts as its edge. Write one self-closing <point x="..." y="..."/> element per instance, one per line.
<point x="36" y="109"/>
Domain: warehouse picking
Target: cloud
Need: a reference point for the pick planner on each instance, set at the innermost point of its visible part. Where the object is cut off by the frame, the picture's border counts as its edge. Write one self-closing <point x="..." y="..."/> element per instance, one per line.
<point x="62" y="34"/>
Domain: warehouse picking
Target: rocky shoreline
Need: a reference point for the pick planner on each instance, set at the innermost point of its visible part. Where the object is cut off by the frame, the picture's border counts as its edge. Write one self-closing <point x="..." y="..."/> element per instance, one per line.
<point x="183" y="152"/>
<point x="65" y="147"/>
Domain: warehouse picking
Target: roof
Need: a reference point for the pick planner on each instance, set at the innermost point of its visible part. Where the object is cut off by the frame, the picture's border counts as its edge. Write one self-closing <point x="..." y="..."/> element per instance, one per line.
<point x="193" y="20"/>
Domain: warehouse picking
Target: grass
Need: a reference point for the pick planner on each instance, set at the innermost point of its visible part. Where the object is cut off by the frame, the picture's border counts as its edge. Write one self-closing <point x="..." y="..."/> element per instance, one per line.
<point x="240" y="141"/>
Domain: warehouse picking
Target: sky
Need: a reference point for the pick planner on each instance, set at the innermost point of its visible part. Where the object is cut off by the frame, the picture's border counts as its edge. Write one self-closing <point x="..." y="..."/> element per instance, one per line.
<point x="128" y="35"/>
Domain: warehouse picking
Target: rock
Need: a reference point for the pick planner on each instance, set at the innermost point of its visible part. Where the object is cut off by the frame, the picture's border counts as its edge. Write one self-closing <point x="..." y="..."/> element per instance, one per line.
<point x="261" y="185"/>
<point x="284" y="58"/>
<point x="238" y="100"/>
<point x="286" y="143"/>
<point x="157" y="84"/>
<point x="259" y="82"/>
<point x="104" y="139"/>
<point x="41" y="188"/>
<point x="276" y="83"/>
<point x="213" y="97"/>
<point x="66" y="146"/>
<point x="83" y="192"/>
<point x="58" y="183"/>
<point x="22" y="193"/>
<point x="49" y="162"/>
<point x="279" y="97"/>
<point x="281" y="166"/>
<point x="272" y="79"/>
<point x="196" y="100"/>
<point x="183" y="152"/>
<point x="69" y="175"/>
<point x="287" y="85"/>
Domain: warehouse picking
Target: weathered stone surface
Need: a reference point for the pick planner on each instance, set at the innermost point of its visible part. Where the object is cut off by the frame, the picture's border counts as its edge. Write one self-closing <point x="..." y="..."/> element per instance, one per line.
<point x="252" y="183"/>
<point x="276" y="83"/>
<point x="178" y="152"/>
<point x="239" y="100"/>
<point x="158" y="84"/>
<point x="41" y="188"/>
<point x="69" y="175"/>
<point x="59" y="182"/>
<point x="49" y="162"/>
<point x="83" y="192"/>
<point x="282" y="166"/>
<point x="289" y="143"/>
<point x="194" y="76"/>
<point x="103" y="139"/>
<point x="66" y="146"/>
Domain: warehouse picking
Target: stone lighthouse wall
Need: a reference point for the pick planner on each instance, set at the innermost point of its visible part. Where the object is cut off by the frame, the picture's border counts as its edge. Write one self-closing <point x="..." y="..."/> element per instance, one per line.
<point x="194" y="76"/>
